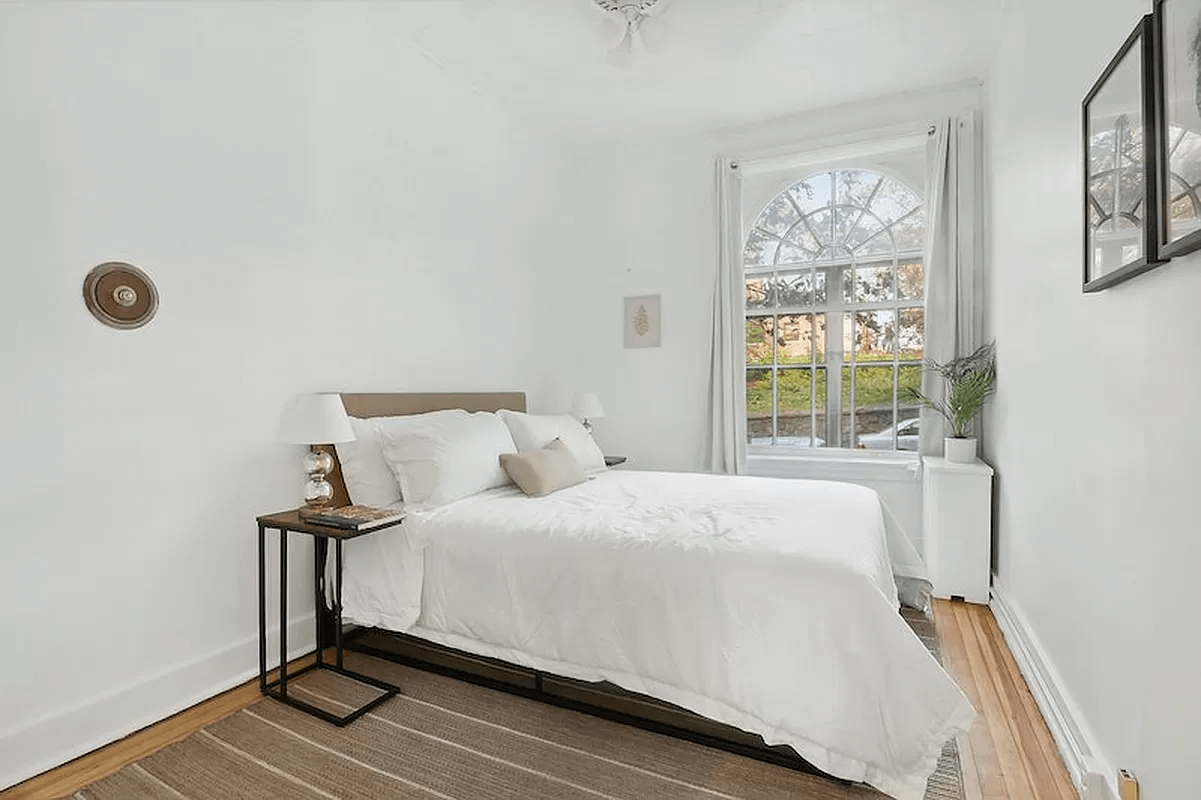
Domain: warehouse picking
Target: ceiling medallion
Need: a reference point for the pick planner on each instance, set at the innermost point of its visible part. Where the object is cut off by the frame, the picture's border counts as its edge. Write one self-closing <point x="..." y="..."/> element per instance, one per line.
<point x="120" y="295"/>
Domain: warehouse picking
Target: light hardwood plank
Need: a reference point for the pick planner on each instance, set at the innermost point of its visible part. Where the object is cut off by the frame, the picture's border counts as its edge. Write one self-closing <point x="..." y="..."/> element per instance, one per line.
<point x="1040" y="734"/>
<point x="89" y="768"/>
<point x="1009" y="744"/>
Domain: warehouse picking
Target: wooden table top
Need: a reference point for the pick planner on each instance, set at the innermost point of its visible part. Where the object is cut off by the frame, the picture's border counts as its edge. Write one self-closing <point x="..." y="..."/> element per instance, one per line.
<point x="291" y="521"/>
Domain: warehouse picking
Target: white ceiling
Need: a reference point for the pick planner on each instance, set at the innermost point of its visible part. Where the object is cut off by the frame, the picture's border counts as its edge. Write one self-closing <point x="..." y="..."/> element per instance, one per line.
<point x="726" y="63"/>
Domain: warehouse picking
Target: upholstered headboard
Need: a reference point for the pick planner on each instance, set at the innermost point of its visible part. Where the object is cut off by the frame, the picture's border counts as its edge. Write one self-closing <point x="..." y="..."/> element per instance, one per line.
<point x="395" y="404"/>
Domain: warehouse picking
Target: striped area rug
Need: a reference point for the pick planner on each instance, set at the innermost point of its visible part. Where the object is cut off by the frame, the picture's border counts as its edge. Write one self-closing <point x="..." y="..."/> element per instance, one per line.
<point x="452" y="740"/>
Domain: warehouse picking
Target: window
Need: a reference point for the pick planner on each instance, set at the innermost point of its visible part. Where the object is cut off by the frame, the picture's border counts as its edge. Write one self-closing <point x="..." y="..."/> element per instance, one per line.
<point x="835" y="314"/>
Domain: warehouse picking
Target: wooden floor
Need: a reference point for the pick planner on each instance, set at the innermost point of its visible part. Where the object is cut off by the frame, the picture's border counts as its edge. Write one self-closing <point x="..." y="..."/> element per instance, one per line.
<point x="1007" y="754"/>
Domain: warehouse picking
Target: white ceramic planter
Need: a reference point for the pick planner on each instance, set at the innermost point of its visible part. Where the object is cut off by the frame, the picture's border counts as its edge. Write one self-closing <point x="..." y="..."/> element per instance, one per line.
<point x="960" y="451"/>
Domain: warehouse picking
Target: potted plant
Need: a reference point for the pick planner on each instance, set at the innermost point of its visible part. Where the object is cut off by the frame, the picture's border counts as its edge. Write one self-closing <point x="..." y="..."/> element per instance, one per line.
<point x="970" y="381"/>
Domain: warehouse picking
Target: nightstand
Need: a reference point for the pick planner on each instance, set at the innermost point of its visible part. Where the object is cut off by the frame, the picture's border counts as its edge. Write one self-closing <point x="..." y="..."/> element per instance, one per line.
<point x="288" y="522"/>
<point x="613" y="461"/>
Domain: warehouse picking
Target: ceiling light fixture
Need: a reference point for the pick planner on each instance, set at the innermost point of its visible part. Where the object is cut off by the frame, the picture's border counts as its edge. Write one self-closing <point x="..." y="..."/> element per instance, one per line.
<point x="626" y="20"/>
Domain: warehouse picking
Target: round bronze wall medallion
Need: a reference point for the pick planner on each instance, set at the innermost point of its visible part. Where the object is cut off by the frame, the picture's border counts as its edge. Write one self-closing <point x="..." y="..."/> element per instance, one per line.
<point x="120" y="295"/>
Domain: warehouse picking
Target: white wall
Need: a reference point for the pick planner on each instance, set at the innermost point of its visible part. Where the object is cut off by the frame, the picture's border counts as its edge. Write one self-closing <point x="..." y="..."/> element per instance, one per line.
<point x="322" y="208"/>
<point x="1096" y="528"/>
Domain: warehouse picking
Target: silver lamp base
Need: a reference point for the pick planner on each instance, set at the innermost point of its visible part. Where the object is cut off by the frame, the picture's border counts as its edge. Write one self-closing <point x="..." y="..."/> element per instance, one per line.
<point x="318" y="493"/>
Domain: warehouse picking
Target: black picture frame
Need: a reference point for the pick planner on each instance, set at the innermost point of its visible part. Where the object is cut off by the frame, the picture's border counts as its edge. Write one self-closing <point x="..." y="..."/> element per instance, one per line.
<point x="1177" y="47"/>
<point x="1121" y="176"/>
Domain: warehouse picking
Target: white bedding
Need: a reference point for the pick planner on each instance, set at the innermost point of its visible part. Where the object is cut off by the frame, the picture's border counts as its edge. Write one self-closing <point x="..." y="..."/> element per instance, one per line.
<point x="763" y="603"/>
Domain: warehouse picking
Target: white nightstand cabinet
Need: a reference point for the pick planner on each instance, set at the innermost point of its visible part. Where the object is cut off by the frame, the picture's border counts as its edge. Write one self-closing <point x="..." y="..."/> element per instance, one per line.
<point x="957" y="527"/>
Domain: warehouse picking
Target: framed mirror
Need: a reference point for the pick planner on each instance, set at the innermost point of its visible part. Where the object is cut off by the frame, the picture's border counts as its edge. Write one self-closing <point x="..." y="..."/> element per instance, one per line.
<point x="1120" y="176"/>
<point x="1178" y="94"/>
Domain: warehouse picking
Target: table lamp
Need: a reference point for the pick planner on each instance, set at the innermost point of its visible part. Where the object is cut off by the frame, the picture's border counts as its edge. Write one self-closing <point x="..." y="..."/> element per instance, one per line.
<point x="586" y="406"/>
<point x="316" y="419"/>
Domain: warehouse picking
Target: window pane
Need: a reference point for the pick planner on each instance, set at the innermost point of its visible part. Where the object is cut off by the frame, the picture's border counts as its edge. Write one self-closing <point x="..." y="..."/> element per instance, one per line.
<point x="908" y="412"/>
<point x="758" y="406"/>
<point x="893" y="201"/>
<point x="911" y="336"/>
<point x="795" y="288"/>
<point x="778" y="217"/>
<point x="759" y="340"/>
<point x="875" y="335"/>
<point x="795" y="402"/>
<point x="819" y="286"/>
<point x="855" y="186"/>
<point x="812" y="193"/>
<point x="873" y="284"/>
<point x="819" y="344"/>
<point x="794" y="338"/>
<point x="791" y="254"/>
<point x="820" y="222"/>
<point x="803" y="238"/>
<point x="845" y="218"/>
<point x="760" y="250"/>
<point x="911" y="280"/>
<point x="873" y="407"/>
<point x="878" y="245"/>
<point x="845" y="418"/>
<point x="868" y="227"/>
<point x="909" y="234"/>
<point x="759" y="292"/>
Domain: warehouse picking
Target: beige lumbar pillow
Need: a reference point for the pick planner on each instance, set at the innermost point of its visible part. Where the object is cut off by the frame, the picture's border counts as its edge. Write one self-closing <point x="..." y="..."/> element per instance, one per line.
<point x="543" y="471"/>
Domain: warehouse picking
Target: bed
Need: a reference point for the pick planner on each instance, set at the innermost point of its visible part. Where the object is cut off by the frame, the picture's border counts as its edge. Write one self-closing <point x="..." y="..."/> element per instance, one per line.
<point x="755" y="614"/>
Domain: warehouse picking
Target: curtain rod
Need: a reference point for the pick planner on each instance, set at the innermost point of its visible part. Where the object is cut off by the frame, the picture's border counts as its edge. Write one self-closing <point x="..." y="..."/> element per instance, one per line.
<point x="802" y="155"/>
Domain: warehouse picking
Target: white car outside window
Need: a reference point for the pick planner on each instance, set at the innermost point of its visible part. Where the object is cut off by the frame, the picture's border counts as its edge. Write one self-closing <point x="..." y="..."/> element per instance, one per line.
<point x="907" y="436"/>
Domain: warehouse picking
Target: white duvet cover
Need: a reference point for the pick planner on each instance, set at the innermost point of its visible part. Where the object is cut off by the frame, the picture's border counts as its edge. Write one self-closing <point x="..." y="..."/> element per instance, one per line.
<point x="764" y="603"/>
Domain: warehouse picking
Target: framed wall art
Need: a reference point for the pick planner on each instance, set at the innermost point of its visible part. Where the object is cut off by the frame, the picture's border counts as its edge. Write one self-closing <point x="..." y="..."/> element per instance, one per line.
<point x="643" y="323"/>
<point x="1177" y="32"/>
<point x="1121" y="230"/>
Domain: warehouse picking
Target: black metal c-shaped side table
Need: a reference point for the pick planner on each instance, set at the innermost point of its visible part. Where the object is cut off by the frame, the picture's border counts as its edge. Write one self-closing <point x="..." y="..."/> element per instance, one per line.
<point x="290" y="522"/>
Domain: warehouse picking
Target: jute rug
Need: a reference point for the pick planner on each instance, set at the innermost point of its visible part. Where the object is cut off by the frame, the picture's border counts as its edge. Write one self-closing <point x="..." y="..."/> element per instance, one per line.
<point x="448" y="739"/>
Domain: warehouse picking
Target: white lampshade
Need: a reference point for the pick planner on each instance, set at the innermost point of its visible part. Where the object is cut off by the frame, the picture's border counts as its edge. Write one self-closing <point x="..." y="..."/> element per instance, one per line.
<point x="315" y="419"/>
<point x="586" y="405"/>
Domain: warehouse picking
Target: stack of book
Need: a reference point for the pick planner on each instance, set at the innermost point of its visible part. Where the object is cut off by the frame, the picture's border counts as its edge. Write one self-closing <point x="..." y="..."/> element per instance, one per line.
<point x="355" y="518"/>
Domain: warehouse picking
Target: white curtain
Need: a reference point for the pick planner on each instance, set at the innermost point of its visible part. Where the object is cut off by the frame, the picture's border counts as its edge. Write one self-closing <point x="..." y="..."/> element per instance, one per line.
<point x="727" y="375"/>
<point x="954" y="256"/>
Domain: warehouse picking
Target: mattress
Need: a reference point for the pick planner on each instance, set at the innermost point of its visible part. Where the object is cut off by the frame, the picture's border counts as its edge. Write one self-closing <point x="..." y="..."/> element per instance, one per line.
<point x="766" y="604"/>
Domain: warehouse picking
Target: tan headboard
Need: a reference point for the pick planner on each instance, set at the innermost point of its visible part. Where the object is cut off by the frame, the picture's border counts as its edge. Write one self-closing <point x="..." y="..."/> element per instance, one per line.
<point x="365" y="406"/>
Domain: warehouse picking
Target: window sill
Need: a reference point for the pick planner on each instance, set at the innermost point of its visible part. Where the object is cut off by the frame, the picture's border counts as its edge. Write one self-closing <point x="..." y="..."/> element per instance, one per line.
<point x="833" y="465"/>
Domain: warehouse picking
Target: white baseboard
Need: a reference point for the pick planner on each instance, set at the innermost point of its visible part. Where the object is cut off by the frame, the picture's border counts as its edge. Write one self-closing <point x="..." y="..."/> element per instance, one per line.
<point x="1091" y="773"/>
<point x="31" y="748"/>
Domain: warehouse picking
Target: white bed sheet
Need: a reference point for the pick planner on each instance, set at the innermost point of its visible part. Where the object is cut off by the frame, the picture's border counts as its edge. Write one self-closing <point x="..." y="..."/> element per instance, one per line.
<point x="764" y="603"/>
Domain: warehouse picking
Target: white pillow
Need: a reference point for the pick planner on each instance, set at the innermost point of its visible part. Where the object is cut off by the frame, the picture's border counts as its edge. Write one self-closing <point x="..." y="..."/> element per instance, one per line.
<point x="369" y="482"/>
<point x="446" y="458"/>
<point x="369" y="479"/>
<point x="535" y="431"/>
